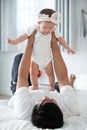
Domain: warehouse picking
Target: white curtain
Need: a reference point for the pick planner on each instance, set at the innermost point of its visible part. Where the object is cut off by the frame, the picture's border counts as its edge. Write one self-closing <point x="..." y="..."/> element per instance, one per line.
<point x="27" y="12"/>
<point x="63" y="6"/>
<point x="8" y="23"/>
<point x="16" y="16"/>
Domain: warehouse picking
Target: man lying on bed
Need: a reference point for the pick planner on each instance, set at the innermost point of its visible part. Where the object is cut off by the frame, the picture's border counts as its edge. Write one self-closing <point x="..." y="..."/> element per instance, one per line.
<point x="45" y="109"/>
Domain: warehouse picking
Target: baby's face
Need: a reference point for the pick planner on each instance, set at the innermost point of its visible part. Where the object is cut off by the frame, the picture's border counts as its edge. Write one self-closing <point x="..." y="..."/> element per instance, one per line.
<point x="46" y="27"/>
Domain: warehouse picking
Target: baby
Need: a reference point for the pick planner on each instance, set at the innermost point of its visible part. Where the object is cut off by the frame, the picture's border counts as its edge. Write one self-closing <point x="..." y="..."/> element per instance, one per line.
<point x="41" y="54"/>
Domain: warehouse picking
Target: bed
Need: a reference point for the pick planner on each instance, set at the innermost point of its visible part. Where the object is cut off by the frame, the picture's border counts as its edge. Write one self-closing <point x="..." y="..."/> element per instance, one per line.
<point x="9" y="122"/>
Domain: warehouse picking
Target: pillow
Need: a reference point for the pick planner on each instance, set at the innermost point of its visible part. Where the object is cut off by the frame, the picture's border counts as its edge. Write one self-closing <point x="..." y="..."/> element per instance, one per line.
<point x="80" y="82"/>
<point x="80" y="86"/>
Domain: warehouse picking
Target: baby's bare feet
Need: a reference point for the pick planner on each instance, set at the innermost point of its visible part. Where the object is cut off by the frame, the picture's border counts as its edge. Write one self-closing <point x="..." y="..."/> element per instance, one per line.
<point x="52" y="88"/>
<point x="32" y="88"/>
<point x="72" y="78"/>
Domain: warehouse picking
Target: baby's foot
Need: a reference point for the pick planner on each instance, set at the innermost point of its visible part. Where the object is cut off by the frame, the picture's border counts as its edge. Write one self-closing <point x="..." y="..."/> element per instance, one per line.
<point x="33" y="88"/>
<point x="72" y="78"/>
<point x="52" y="88"/>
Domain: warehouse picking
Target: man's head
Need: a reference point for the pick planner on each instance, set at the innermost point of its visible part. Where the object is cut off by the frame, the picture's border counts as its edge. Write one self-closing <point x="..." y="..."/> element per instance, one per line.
<point x="47" y="114"/>
<point x="46" y="20"/>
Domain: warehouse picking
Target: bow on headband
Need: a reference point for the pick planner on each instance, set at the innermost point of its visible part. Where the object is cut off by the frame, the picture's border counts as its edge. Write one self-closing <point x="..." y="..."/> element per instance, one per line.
<point x="55" y="18"/>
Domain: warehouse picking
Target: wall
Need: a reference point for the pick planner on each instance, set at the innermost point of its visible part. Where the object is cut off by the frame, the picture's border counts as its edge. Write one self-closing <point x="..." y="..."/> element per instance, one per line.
<point x="82" y="41"/>
<point x="6" y="61"/>
<point x="75" y="64"/>
<point x="77" y="41"/>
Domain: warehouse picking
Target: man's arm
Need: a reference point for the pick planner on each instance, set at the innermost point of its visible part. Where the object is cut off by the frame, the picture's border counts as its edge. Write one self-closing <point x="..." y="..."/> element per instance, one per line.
<point x="24" y="66"/>
<point x="59" y="65"/>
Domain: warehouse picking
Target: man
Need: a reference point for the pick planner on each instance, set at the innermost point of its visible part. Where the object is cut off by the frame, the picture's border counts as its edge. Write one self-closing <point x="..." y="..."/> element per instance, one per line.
<point x="46" y="109"/>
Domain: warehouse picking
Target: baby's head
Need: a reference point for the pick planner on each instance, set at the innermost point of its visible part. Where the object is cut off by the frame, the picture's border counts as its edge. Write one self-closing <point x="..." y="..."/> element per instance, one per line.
<point x="47" y="20"/>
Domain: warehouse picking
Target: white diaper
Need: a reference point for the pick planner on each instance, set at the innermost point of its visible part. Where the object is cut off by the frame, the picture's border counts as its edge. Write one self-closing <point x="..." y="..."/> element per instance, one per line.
<point x="43" y="64"/>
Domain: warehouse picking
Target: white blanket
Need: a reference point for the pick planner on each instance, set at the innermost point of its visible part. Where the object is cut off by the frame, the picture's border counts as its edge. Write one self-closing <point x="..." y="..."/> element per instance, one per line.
<point x="9" y="122"/>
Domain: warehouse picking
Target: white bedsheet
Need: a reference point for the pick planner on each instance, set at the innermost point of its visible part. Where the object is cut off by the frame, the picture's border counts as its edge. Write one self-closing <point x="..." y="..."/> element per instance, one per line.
<point x="9" y="122"/>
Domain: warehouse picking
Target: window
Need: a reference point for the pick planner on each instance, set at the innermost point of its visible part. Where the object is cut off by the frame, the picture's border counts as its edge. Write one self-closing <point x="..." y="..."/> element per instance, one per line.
<point x="8" y="23"/>
<point x="16" y="16"/>
<point x="27" y="14"/>
<point x="0" y="24"/>
<point x="62" y="6"/>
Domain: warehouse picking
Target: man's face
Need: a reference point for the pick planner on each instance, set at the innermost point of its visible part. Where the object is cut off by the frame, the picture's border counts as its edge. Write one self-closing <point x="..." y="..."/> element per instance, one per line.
<point x="46" y="27"/>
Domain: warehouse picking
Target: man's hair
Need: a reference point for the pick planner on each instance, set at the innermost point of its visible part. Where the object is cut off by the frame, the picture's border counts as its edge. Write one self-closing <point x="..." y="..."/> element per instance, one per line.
<point x="48" y="12"/>
<point x="47" y="115"/>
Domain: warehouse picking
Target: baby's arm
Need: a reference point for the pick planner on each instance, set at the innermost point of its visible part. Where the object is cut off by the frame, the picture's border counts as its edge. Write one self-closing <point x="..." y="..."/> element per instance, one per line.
<point x="65" y="45"/>
<point x="18" y="40"/>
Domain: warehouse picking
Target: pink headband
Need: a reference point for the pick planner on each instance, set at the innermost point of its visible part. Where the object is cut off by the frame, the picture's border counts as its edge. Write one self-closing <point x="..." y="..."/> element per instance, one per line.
<point x="55" y="18"/>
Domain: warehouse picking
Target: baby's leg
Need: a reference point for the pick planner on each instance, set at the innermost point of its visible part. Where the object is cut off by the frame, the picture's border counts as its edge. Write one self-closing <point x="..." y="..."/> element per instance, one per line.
<point x="33" y="75"/>
<point x="50" y="74"/>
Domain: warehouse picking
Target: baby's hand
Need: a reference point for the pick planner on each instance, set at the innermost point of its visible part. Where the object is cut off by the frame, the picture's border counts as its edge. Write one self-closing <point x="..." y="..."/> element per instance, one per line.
<point x="70" y="51"/>
<point x="10" y="41"/>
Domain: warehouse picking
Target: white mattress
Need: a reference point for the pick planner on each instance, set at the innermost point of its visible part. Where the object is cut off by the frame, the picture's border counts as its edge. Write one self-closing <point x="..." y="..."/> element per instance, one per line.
<point x="9" y="122"/>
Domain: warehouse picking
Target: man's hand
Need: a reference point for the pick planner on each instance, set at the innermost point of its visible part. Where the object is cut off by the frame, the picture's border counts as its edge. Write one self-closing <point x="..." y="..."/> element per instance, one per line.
<point x="53" y="41"/>
<point x="32" y="37"/>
